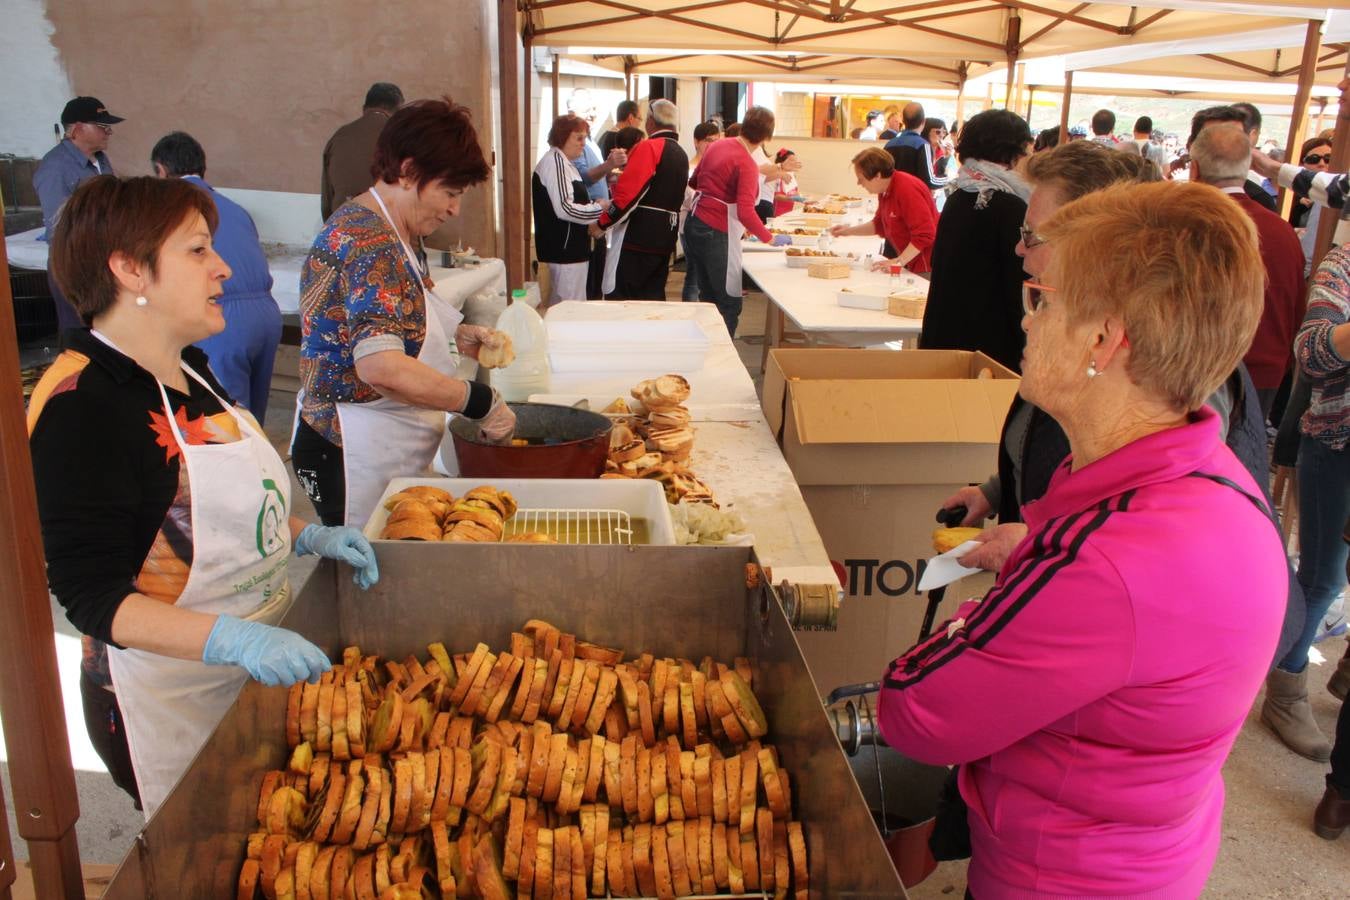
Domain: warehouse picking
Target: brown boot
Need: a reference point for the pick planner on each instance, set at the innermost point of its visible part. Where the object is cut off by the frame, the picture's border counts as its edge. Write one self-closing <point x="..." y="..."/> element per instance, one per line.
<point x="1332" y="815"/>
<point x="1289" y="715"/>
<point x="1339" y="685"/>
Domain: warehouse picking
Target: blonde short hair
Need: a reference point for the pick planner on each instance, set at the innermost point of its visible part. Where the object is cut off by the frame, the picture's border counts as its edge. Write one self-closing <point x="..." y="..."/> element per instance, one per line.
<point x="1179" y="264"/>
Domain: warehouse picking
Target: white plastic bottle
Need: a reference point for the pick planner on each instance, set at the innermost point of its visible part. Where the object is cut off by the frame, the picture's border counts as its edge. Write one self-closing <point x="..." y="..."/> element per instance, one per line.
<point x="529" y="374"/>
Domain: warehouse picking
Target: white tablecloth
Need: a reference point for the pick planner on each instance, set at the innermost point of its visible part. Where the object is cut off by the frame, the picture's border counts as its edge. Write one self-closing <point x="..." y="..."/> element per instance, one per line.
<point x="811" y="303"/>
<point x="25" y="251"/>
<point x="736" y="455"/>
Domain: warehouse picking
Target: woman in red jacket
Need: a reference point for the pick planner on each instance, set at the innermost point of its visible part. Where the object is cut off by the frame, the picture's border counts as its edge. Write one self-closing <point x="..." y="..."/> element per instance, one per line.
<point x="906" y="215"/>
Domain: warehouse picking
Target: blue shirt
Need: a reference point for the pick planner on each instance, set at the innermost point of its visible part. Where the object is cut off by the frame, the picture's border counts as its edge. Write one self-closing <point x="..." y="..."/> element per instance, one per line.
<point x="236" y="240"/>
<point x="590" y="158"/>
<point x="61" y="171"/>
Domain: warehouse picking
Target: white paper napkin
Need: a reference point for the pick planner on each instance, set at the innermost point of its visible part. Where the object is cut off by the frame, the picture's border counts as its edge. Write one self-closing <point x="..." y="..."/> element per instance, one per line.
<point x="943" y="570"/>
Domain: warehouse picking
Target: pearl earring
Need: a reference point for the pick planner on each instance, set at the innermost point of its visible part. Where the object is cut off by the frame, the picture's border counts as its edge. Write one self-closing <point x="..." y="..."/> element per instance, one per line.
<point x="141" y="301"/>
<point x="1092" y="371"/>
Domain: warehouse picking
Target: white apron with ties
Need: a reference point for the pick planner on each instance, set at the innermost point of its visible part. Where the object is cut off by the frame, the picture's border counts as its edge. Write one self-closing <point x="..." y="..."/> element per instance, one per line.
<point x="240" y="495"/>
<point x="386" y="439"/>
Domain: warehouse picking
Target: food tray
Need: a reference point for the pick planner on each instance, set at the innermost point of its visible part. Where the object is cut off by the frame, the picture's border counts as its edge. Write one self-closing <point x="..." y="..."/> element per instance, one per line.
<point x="803" y="262"/>
<point x="676" y="345"/>
<point x="861" y="300"/>
<point x="829" y="269"/>
<point x="906" y="306"/>
<point x="639" y="498"/>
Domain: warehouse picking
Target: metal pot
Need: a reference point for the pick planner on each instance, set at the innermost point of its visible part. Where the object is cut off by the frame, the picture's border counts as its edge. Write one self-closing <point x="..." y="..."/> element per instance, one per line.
<point x="561" y="442"/>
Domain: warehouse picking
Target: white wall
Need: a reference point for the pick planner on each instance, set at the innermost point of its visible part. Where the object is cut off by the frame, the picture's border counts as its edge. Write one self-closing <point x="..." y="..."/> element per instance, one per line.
<point x="36" y="84"/>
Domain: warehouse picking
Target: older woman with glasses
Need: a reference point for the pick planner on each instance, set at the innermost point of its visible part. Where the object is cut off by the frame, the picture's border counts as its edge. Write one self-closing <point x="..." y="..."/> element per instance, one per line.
<point x="1092" y="696"/>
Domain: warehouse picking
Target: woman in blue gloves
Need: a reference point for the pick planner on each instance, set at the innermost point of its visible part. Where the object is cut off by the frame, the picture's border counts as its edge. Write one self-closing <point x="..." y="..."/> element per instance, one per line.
<point x="166" y="513"/>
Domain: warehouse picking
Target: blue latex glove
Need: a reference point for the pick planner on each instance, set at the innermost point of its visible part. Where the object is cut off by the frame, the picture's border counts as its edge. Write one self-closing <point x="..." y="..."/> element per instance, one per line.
<point x="274" y="656"/>
<point x="343" y="543"/>
<point x="782" y="240"/>
<point x="797" y="198"/>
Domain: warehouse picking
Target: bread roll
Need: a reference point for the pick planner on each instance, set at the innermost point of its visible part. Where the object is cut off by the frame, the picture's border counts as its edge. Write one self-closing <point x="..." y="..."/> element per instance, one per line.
<point x="496" y="351"/>
<point x="628" y="452"/>
<point x="945" y="539"/>
<point x="411" y="531"/>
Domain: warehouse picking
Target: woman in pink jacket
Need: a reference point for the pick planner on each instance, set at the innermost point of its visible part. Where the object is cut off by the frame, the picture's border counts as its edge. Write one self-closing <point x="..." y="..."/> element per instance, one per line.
<point x="1093" y="695"/>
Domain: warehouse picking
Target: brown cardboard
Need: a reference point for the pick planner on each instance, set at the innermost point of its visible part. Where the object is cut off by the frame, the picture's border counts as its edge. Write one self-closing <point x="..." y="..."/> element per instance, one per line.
<point x="877" y="441"/>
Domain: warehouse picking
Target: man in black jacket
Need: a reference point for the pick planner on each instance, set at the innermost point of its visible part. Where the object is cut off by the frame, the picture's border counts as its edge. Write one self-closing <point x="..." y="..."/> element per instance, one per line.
<point x="644" y="209"/>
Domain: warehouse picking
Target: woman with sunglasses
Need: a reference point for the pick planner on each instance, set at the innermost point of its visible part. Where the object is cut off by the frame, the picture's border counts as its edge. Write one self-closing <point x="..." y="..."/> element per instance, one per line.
<point x="1092" y="696"/>
<point x="1316" y="157"/>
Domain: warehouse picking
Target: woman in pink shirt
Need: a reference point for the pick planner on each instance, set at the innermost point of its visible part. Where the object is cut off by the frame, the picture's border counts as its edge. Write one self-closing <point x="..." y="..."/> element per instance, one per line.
<point x="1093" y="695"/>
<point x="726" y="188"/>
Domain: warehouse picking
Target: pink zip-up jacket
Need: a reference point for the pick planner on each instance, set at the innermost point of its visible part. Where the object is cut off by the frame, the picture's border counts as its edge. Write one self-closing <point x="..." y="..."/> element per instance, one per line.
<point x="1093" y="696"/>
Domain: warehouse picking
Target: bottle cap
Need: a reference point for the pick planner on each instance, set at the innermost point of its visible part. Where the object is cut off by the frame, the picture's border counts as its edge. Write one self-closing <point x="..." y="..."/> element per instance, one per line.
<point x="519" y="294"/>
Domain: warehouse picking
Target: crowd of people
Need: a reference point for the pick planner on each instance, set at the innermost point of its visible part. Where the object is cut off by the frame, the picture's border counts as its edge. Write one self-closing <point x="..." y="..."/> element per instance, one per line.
<point x="1161" y="327"/>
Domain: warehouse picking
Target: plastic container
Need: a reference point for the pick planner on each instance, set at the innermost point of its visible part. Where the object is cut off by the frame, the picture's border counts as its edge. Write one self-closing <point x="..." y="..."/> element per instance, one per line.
<point x="641" y="498"/>
<point x="647" y="346"/>
<point x="529" y="374"/>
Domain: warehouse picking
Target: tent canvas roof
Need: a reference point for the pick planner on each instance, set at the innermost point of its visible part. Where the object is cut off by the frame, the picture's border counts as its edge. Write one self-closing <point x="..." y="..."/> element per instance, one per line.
<point x="972" y="30"/>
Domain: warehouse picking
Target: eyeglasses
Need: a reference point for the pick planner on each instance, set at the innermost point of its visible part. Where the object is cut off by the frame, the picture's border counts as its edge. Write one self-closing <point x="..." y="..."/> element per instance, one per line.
<point x="1034" y="296"/>
<point x="1030" y="239"/>
<point x="1313" y="159"/>
<point x="106" y="129"/>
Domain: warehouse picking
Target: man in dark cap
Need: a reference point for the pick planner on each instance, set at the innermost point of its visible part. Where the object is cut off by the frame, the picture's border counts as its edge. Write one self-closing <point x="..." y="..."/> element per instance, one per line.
<point x="86" y="127"/>
<point x="351" y="149"/>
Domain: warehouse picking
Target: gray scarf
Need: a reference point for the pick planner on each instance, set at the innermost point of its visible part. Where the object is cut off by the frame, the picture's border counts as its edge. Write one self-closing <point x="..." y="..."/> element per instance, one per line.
<point x="983" y="178"/>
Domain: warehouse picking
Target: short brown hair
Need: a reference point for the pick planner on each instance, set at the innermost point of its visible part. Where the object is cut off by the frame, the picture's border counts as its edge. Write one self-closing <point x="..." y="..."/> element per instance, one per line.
<point x="757" y="126"/>
<point x="873" y="162"/>
<point x="107" y="215"/>
<point x="564" y="127"/>
<point x="437" y="140"/>
<point x="1081" y="167"/>
<point x="1179" y="264"/>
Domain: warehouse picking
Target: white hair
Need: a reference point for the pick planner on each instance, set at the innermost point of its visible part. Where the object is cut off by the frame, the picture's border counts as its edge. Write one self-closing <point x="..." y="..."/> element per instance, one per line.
<point x="663" y="112"/>
<point x="1222" y="152"/>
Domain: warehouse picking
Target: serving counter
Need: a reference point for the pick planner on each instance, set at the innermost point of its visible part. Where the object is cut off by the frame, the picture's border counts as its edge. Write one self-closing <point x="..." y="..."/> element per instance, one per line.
<point x="734" y="451"/>
<point x="812" y="306"/>
<point x="681" y="602"/>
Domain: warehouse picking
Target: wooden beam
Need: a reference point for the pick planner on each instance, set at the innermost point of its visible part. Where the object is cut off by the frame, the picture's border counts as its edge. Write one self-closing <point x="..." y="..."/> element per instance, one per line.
<point x="1298" y="119"/>
<point x="1011" y="47"/>
<point x="1340" y="162"/>
<point x="962" y="70"/>
<point x="1064" y="107"/>
<point x="703" y="98"/>
<point x="1321" y="119"/>
<point x="556" y="102"/>
<point x="30" y="690"/>
<point x="1067" y="16"/>
<point x="1055" y="24"/>
<point x="1031" y="98"/>
<point x="526" y="136"/>
<point x="1140" y="26"/>
<point x="515" y="231"/>
<point x="1238" y="64"/>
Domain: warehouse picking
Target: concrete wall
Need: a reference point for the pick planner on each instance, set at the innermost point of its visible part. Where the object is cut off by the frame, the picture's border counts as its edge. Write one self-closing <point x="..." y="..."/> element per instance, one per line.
<point x="261" y="84"/>
<point x="826" y="163"/>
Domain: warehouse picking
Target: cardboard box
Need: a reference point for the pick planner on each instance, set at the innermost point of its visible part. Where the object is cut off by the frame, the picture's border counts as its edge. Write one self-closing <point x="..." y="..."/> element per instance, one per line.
<point x="877" y="441"/>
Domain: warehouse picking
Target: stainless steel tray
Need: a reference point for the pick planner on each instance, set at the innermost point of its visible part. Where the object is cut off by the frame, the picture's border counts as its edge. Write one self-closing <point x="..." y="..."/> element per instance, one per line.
<point x="667" y="600"/>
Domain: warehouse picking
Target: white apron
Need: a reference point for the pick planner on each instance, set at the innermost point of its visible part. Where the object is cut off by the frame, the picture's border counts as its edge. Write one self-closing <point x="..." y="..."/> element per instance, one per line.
<point x="735" y="231"/>
<point x="240" y="495"/>
<point x="614" y="240"/>
<point x="387" y="439"/>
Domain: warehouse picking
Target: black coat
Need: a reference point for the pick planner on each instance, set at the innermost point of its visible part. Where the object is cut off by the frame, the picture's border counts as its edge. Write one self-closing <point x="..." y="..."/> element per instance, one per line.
<point x="975" y="294"/>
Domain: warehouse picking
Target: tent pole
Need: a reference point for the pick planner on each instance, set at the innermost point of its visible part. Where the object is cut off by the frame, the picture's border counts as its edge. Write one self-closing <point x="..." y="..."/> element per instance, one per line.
<point x="1340" y="162"/>
<point x="30" y="691"/>
<point x="556" y="102"/>
<point x="514" y="233"/>
<point x="1031" y="98"/>
<point x="961" y="71"/>
<point x="988" y="95"/>
<point x="1321" y="115"/>
<point x="1298" y="119"/>
<point x="1019" y="87"/>
<point x="526" y="141"/>
<point x="1064" y="107"/>
<point x="1011" y="48"/>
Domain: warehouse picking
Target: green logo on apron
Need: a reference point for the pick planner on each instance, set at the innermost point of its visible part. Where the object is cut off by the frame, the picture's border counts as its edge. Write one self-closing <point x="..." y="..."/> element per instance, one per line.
<point x="271" y="520"/>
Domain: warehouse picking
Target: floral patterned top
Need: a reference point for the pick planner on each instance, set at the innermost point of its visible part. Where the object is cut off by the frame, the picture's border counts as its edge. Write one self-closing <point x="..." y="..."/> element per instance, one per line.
<point x="357" y="295"/>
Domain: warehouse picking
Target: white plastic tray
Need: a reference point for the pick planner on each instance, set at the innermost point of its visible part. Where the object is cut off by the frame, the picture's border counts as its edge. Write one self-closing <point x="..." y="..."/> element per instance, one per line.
<point x="861" y="300"/>
<point x="639" y="497"/>
<point x="674" y="345"/>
